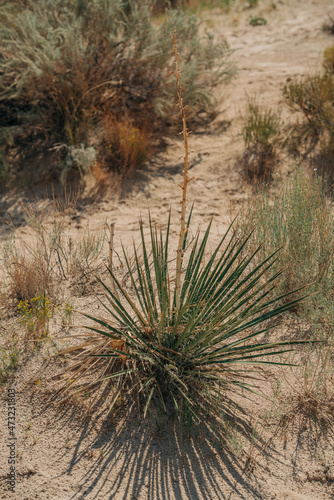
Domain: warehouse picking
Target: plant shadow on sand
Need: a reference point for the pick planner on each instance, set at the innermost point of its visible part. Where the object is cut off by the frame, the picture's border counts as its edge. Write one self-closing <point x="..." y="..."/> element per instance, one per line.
<point x="125" y="457"/>
<point x="137" y="459"/>
<point x="131" y="458"/>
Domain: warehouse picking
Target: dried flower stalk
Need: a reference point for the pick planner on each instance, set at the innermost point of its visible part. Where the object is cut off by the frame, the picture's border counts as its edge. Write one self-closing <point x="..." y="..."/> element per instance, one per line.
<point x="186" y="180"/>
<point x="111" y="248"/>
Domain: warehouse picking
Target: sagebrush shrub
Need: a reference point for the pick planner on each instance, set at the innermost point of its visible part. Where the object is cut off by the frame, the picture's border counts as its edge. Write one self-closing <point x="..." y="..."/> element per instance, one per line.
<point x="312" y="98"/>
<point x="66" y="64"/>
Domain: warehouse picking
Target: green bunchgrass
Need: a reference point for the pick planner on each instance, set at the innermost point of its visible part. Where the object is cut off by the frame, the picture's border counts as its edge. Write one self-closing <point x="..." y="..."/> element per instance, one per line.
<point x="262" y="127"/>
<point x="262" y="132"/>
<point x="329" y="59"/>
<point x="298" y="218"/>
<point x="182" y="361"/>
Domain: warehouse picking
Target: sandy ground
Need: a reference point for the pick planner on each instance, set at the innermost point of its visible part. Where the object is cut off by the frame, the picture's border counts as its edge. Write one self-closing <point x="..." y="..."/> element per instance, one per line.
<point x="64" y="455"/>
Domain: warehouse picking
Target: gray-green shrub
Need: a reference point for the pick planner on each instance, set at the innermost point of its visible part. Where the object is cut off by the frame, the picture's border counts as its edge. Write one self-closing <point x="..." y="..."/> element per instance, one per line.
<point x="65" y="64"/>
<point x="312" y="98"/>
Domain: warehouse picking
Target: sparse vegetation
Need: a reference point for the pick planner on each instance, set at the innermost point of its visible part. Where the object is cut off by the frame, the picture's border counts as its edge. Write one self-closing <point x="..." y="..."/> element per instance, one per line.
<point x="9" y="353"/>
<point x="298" y="219"/>
<point x="53" y="257"/>
<point x="185" y="332"/>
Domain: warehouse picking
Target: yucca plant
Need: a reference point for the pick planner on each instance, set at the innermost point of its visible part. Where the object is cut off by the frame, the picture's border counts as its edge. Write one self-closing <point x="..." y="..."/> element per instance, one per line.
<point x="181" y="337"/>
<point x="187" y="356"/>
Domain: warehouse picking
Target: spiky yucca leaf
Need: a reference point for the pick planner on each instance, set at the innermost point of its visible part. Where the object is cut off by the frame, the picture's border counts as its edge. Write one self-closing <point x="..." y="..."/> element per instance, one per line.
<point x="188" y="357"/>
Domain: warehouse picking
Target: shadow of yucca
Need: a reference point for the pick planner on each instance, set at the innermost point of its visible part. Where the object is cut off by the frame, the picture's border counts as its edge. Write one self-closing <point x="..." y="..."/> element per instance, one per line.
<point x="131" y="458"/>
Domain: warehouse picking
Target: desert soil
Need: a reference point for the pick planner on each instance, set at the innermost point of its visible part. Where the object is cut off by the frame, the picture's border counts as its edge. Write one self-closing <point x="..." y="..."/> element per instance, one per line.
<point x="63" y="454"/>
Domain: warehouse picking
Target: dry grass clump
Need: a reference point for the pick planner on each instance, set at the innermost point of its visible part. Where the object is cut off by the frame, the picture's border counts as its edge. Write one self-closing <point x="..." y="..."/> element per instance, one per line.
<point x="67" y="67"/>
<point x="126" y="146"/>
<point x="28" y="277"/>
<point x="310" y="386"/>
<point x="261" y="133"/>
<point x="53" y="257"/>
<point x="313" y="392"/>
<point x="193" y="5"/>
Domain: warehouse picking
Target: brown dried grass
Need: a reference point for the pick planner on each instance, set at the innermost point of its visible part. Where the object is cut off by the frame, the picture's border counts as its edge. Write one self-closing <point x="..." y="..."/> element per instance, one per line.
<point x="126" y="146"/>
<point x="29" y="277"/>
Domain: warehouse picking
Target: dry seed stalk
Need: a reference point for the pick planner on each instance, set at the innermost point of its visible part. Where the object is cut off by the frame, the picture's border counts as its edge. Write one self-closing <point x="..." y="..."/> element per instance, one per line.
<point x="111" y="248"/>
<point x="186" y="180"/>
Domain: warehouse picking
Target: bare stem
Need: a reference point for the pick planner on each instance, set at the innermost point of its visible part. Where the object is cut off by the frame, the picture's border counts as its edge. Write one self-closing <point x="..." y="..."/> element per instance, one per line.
<point x="185" y="180"/>
<point x="111" y="248"/>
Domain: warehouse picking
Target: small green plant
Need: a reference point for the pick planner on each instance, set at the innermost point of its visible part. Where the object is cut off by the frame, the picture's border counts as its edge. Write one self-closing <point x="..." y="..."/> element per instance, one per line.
<point x="253" y="3"/>
<point x="35" y="315"/>
<point x="233" y="440"/>
<point x="261" y="133"/>
<point x="28" y="425"/>
<point x="257" y="21"/>
<point x="67" y="318"/>
<point x="9" y="354"/>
